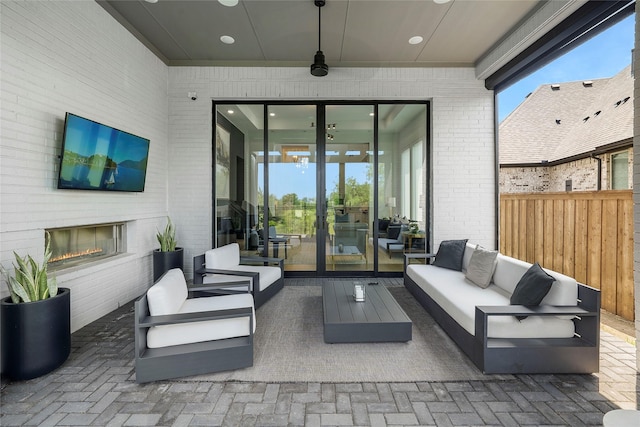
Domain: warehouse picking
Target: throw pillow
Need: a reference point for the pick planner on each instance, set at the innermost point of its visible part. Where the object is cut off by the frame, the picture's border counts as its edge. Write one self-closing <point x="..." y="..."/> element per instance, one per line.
<point x="481" y="266"/>
<point x="393" y="232"/>
<point x="532" y="288"/>
<point x="450" y="254"/>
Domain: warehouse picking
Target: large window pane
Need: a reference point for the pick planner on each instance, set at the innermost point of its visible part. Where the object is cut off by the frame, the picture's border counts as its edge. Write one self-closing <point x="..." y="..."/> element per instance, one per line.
<point x="239" y="140"/>
<point x="292" y="186"/>
<point x="401" y="183"/>
<point x="349" y="187"/>
<point x="620" y="171"/>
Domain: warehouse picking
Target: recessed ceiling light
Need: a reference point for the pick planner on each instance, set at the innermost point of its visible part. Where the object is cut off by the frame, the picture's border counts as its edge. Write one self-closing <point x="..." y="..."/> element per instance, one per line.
<point x="151" y="1"/>
<point x="272" y="114"/>
<point x="415" y="40"/>
<point x="228" y="3"/>
<point x="441" y="1"/>
<point x="230" y="111"/>
<point x="372" y="114"/>
<point x="227" y="40"/>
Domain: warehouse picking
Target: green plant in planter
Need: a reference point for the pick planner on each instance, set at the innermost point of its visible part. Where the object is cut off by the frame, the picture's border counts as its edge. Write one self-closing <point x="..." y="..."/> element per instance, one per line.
<point x="167" y="238"/>
<point x="30" y="281"/>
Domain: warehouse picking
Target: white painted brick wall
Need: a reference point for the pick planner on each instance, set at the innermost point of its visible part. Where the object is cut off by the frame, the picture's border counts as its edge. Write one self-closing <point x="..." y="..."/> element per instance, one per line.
<point x="73" y="56"/>
<point x="463" y="173"/>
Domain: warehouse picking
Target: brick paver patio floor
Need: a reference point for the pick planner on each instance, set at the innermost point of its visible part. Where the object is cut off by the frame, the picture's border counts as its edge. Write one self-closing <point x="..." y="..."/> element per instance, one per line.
<point x="95" y="387"/>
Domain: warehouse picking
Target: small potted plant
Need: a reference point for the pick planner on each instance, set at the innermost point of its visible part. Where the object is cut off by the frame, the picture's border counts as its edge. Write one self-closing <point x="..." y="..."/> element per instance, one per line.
<point x="169" y="255"/>
<point x="35" y="319"/>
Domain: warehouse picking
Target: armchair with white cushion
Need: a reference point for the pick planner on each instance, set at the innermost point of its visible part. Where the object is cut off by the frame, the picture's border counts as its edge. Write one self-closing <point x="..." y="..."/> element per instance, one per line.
<point x="178" y="336"/>
<point x="225" y="263"/>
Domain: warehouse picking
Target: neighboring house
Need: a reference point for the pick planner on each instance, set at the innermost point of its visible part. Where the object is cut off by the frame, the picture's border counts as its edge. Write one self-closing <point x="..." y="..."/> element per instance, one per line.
<point x="574" y="136"/>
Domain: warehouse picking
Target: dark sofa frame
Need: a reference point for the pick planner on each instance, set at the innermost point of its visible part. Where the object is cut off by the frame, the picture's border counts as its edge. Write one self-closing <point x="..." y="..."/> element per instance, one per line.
<point x="259" y="297"/>
<point x="577" y="355"/>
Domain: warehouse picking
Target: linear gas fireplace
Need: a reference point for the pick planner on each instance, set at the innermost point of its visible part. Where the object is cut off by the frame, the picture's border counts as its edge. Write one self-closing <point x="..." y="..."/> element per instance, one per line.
<point x="74" y="246"/>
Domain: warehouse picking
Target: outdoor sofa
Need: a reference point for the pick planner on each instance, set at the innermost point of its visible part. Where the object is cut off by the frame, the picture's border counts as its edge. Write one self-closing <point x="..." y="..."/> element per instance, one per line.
<point x="477" y="297"/>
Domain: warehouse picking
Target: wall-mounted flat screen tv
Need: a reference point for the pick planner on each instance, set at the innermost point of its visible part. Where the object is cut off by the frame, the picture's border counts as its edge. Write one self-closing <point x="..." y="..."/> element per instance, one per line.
<point x="99" y="157"/>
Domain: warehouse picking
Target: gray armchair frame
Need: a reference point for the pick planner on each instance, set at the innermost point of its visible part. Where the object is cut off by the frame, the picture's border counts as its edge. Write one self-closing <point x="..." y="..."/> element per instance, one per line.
<point x="152" y="364"/>
<point x="259" y="297"/>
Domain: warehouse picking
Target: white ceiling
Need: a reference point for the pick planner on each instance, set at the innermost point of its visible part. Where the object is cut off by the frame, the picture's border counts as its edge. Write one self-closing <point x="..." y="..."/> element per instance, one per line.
<point x="354" y="32"/>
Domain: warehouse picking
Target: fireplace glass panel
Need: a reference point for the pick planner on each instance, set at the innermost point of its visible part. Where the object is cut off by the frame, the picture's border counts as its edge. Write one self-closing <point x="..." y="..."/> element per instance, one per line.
<point x="78" y="245"/>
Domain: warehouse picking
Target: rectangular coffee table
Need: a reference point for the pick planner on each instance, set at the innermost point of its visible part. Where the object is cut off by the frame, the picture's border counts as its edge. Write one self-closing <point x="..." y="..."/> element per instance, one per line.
<point x="378" y="319"/>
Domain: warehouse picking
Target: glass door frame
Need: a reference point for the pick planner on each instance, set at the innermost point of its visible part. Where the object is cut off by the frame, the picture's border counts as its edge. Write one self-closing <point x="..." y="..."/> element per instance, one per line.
<point x="321" y="202"/>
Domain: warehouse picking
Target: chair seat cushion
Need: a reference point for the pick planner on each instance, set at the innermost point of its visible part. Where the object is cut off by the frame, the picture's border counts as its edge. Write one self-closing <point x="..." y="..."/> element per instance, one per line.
<point x="268" y="275"/>
<point x="210" y="330"/>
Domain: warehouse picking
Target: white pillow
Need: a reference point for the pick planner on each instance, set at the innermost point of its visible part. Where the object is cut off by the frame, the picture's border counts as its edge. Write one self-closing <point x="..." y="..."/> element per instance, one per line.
<point x="481" y="266"/>
<point x="224" y="258"/>
<point x="168" y="294"/>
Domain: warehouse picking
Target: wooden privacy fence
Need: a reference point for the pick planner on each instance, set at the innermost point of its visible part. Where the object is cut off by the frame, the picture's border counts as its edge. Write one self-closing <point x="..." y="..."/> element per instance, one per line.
<point x="586" y="235"/>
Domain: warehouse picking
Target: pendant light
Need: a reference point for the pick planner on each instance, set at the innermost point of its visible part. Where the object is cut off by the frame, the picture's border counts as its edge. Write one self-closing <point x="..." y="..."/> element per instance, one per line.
<point x="319" y="68"/>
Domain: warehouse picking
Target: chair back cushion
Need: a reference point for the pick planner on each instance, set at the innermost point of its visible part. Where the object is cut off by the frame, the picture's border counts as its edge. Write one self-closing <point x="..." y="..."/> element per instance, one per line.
<point x="168" y="294"/>
<point x="225" y="257"/>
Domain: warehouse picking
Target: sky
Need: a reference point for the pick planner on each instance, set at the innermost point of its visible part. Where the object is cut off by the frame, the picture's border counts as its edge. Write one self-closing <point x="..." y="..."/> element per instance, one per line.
<point x="604" y="55"/>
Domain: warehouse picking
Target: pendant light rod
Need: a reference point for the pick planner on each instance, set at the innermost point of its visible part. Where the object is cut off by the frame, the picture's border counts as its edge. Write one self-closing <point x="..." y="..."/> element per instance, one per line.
<point x="319" y="21"/>
<point x="319" y="68"/>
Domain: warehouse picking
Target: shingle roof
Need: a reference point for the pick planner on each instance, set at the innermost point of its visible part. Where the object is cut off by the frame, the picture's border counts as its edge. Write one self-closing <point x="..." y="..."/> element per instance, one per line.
<point x="558" y="121"/>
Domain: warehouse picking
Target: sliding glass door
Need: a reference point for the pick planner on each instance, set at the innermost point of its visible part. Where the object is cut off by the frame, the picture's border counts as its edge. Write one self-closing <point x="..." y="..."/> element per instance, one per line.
<point x="332" y="188"/>
<point x="349" y="187"/>
<point x="292" y="176"/>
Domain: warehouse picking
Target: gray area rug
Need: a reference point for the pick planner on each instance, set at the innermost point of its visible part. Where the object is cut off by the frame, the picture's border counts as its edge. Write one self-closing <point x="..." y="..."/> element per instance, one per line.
<point x="289" y="347"/>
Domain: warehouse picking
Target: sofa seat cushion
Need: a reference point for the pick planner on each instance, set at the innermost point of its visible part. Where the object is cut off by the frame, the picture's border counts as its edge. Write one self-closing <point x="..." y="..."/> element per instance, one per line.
<point x="268" y="275"/>
<point x="210" y="330"/>
<point x="390" y="244"/>
<point x="459" y="298"/>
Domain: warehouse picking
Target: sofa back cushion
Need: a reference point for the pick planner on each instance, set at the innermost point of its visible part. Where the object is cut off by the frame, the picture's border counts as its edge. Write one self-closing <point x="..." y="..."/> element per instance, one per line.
<point x="225" y="257"/>
<point x="509" y="271"/>
<point x="168" y="294"/>
<point x="468" y="252"/>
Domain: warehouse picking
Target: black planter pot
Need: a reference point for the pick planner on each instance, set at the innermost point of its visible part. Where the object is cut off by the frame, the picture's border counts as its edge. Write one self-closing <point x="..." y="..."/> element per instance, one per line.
<point x="165" y="261"/>
<point x="36" y="336"/>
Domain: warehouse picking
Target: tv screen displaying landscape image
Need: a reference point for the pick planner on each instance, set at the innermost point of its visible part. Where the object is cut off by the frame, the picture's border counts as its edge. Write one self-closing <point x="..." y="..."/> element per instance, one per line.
<point x="99" y="157"/>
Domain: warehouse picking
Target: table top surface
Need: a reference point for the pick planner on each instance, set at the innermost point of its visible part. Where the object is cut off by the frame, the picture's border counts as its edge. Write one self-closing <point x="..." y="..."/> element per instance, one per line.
<point x="346" y="250"/>
<point x="379" y="306"/>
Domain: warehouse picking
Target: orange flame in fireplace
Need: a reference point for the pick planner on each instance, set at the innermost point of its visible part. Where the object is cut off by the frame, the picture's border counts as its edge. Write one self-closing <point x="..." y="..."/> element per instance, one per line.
<point x="72" y="255"/>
